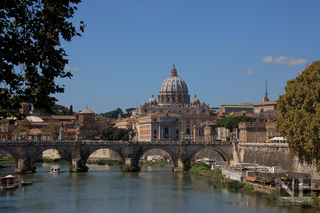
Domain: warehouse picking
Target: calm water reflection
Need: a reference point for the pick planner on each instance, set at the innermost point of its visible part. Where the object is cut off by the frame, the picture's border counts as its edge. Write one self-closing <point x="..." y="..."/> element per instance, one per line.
<point x="106" y="189"/>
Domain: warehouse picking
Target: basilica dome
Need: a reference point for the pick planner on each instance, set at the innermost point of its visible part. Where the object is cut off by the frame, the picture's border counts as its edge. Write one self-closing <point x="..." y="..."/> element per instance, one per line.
<point x="173" y="83"/>
<point x="195" y="101"/>
<point x="152" y="101"/>
<point x="173" y="90"/>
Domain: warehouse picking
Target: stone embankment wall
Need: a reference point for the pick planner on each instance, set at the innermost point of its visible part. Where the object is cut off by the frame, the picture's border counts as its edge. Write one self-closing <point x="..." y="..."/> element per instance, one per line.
<point x="272" y="154"/>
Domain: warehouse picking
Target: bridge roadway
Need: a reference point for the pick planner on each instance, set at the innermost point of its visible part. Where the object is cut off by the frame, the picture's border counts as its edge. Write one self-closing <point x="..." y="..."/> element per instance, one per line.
<point x="25" y="153"/>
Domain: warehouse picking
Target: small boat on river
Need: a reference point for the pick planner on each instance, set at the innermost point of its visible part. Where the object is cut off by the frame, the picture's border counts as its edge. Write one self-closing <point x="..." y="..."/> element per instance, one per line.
<point x="9" y="182"/>
<point x="26" y="183"/>
<point x="55" y="169"/>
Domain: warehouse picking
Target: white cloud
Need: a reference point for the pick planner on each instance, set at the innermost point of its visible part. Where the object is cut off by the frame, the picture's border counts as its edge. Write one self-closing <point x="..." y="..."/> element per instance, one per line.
<point x="248" y="72"/>
<point x="267" y="59"/>
<point x="283" y="60"/>
<point x="72" y="68"/>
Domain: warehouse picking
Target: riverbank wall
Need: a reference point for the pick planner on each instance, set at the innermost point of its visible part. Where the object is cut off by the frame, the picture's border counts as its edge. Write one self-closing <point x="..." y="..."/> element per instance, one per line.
<point x="273" y="154"/>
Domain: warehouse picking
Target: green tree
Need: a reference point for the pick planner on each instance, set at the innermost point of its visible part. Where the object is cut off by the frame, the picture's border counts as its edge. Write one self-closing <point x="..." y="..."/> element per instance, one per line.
<point x="232" y="122"/>
<point x="24" y="126"/>
<point x="113" y="114"/>
<point x="71" y="110"/>
<point x="129" y="111"/>
<point x="52" y="129"/>
<point x="114" y="133"/>
<point x="299" y="118"/>
<point x="31" y="54"/>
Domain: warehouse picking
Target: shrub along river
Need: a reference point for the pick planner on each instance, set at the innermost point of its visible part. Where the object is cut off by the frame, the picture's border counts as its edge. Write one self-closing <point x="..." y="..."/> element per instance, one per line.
<point x="106" y="189"/>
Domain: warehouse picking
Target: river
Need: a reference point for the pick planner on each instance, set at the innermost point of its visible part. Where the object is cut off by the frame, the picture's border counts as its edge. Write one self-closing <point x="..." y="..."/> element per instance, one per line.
<point x="106" y="189"/>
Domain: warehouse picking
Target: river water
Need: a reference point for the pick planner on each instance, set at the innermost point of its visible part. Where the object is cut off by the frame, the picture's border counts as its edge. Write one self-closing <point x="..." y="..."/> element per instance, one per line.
<point x="106" y="189"/>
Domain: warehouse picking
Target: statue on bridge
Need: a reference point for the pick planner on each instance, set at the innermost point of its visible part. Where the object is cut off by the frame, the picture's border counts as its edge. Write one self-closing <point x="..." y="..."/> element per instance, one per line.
<point x="78" y="131"/>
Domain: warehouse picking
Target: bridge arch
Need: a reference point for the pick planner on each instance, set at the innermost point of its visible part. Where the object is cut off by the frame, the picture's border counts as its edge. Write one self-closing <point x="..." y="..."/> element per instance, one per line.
<point x="219" y="151"/>
<point x="62" y="152"/>
<point x="90" y="150"/>
<point x="15" y="158"/>
<point x="174" y="157"/>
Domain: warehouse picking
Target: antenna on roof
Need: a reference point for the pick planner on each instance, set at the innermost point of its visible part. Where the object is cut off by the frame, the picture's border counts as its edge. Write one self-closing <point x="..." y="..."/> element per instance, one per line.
<point x="265" y="98"/>
<point x="266" y="95"/>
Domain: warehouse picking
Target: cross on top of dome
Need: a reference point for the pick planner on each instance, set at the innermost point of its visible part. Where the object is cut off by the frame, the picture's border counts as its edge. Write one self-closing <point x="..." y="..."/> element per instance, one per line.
<point x="173" y="71"/>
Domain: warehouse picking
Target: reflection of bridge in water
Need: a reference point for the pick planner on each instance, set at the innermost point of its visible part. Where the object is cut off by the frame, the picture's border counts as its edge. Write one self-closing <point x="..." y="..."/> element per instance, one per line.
<point x="25" y="153"/>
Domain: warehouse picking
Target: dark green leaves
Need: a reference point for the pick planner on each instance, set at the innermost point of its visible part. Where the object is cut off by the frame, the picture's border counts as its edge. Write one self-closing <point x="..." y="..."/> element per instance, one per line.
<point x="232" y="122"/>
<point x="31" y="58"/>
<point x="299" y="118"/>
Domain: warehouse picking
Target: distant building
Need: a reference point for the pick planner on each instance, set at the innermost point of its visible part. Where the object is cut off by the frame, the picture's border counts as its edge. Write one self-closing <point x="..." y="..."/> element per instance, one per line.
<point x="88" y="125"/>
<point x="227" y="109"/>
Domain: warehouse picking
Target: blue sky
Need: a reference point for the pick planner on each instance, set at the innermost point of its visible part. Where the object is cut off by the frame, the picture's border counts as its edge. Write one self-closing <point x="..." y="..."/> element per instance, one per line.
<point x="223" y="50"/>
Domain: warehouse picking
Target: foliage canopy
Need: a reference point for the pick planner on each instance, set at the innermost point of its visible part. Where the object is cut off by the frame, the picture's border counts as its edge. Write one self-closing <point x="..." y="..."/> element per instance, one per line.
<point x="299" y="118"/>
<point x="52" y="129"/>
<point x="114" y="133"/>
<point x="113" y="114"/>
<point x="24" y="126"/>
<point x="31" y="53"/>
<point x="232" y="122"/>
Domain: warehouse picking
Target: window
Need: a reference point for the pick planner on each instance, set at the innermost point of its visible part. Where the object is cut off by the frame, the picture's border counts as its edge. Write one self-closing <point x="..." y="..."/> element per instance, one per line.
<point x="166" y="131"/>
<point x="91" y="132"/>
<point x="88" y="125"/>
<point x="155" y="119"/>
<point x="86" y="132"/>
<point x="155" y="132"/>
<point x="177" y="131"/>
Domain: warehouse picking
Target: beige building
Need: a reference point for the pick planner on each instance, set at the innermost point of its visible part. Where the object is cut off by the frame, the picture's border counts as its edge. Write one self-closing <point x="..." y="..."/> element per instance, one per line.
<point x="227" y="109"/>
<point x="264" y="106"/>
<point x="159" y="127"/>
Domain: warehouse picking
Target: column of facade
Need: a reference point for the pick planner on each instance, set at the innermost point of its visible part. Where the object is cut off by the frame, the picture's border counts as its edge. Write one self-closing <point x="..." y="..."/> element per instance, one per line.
<point x="161" y="132"/>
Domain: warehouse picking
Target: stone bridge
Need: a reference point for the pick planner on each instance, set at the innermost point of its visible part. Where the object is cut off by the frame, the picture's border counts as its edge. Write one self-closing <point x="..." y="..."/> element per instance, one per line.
<point x="25" y="153"/>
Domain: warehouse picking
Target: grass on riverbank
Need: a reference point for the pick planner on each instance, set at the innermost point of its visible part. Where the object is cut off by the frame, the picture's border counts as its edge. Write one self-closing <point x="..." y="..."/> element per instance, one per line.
<point x="204" y="170"/>
<point x="154" y="163"/>
<point x="6" y="159"/>
<point x="105" y="162"/>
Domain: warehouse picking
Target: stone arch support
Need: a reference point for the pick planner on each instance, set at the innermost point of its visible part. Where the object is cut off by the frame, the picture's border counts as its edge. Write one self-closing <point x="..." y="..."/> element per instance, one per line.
<point x="222" y="153"/>
<point x="88" y="150"/>
<point x="174" y="155"/>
